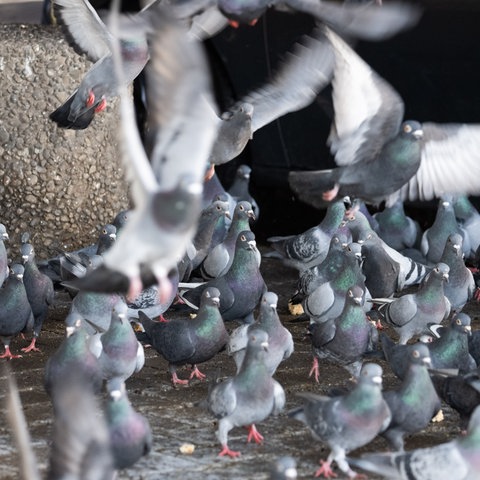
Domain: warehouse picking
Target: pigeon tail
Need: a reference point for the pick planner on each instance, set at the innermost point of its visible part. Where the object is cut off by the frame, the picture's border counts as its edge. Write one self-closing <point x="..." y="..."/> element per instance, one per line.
<point x="61" y="116"/>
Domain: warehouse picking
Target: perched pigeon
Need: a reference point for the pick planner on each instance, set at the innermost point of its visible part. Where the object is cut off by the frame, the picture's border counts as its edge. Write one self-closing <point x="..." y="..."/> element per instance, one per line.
<point x="394" y="164"/>
<point x="280" y="342"/>
<point x="460" y="286"/>
<point x="454" y="460"/>
<point x="415" y="403"/>
<point x="396" y="229"/>
<point x="15" y="311"/>
<point x="3" y="254"/>
<point x="119" y="353"/>
<point x="469" y="219"/>
<point x="346" y="422"/>
<point x="130" y="434"/>
<point x="241" y="288"/>
<point x="240" y="188"/>
<point x="310" y="248"/>
<point x="247" y="398"/>
<point x="166" y="189"/>
<point x="40" y="293"/>
<point x="189" y="341"/>
<point x="345" y="339"/>
<point x="410" y="314"/>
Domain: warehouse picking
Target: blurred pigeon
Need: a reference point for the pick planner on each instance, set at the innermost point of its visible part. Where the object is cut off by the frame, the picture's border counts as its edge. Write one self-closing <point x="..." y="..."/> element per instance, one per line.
<point x="415" y="403"/>
<point x="460" y="286"/>
<point x="435" y="237"/>
<point x="91" y="36"/>
<point x="346" y="422"/>
<point x="15" y="311"/>
<point x="451" y="349"/>
<point x="119" y="353"/>
<point x="120" y="220"/>
<point x="106" y="239"/>
<point x="394" y="164"/>
<point x="240" y="188"/>
<point x="129" y="431"/>
<point x="469" y="219"/>
<point x="220" y="257"/>
<point x="310" y="247"/>
<point x="280" y="342"/>
<point x="396" y="229"/>
<point x="189" y="341"/>
<point x="474" y="345"/>
<point x="3" y="254"/>
<point x="454" y="460"/>
<point x="166" y="190"/>
<point x="39" y="290"/>
<point x="73" y="356"/>
<point x="284" y="468"/>
<point x="345" y="339"/>
<point x="410" y="314"/>
<point x="241" y="288"/>
<point x="247" y="398"/>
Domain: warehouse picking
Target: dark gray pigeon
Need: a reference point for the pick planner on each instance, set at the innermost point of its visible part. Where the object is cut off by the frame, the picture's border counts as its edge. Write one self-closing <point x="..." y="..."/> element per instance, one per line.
<point x="415" y="402"/>
<point x="15" y="312"/>
<point x="129" y="431"/>
<point x="166" y="186"/>
<point x="348" y="421"/>
<point x="410" y="314"/>
<point x="469" y="219"/>
<point x="240" y="188"/>
<point x="189" y="341"/>
<point x="40" y="293"/>
<point x="460" y="286"/>
<point x="454" y="460"/>
<point x="474" y="345"/>
<point x="241" y="288"/>
<point x="3" y="254"/>
<point x="345" y="339"/>
<point x="247" y="398"/>
<point x="280" y="342"/>
<point x="310" y="248"/>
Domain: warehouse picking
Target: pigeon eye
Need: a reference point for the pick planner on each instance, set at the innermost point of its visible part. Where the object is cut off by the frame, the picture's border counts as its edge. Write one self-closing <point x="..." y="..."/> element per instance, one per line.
<point x="350" y="293"/>
<point x="218" y="207"/>
<point x="407" y="128"/>
<point x="104" y="231"/>
<point x="415" y="354"/>
<point x="458" y="321"/>
<point x="243" y="238"/>
<point x="241" y="207"/>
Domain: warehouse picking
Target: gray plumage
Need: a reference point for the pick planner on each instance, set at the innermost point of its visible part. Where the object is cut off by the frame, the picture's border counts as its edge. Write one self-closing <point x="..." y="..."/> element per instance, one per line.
<point x="280" y="342"/>
<point x="3" y="254"/>
<point x="240" y="188"/>
<point x="454" y="460"/>
<point x="247" y="398"/>
<point x="469" y="219"/>
<point x="346" y="422"/>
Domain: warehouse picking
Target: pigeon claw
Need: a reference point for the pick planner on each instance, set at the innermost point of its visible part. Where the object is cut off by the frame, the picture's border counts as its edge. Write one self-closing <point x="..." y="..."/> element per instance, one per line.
<point x="329" y="195"/>
<point x="234" y="23"/>
<point x="8" y="354"/>
<point x="196" y="373"/>
<point x="314" y="370"/>
<point x="476" y="295"/>
<point x="178" y="381"/>
<point x="90" y="99"/>
<point x="101" y="106"/>
<point x="31" y="347"/>
<point x="229" y="453"/>
<point x="325" y="470"/>
<point x="254" y="434"/>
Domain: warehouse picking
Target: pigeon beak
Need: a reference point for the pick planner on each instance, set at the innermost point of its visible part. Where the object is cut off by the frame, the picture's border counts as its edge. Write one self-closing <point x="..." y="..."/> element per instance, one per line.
<point x="5" y="236"/>
<point x="227" y="214"/>
<point x="456" y="247"/>
<point x="273" y="305"/>
<point x="357" y="300"/>
<point x="427" y="361"/>
<point x="246" y="176"/>
<point x="445" y="204"/>
<point x="116" y="395"/>
<point x="446" y="276"/>
<point x="377" y="380"/>
<point x="467" y="329"/>
<point x="69" y="331"/>
<point x="360" y="242"/>
<point x="113" y="236"/>
<point x="264" y="345"/>
<point x="19" y="276"/>
<point x="252" y="244"/>
<point x="418" y="133"/>
<point x="251" y="214"/>
<point x="24" y="258"/>
<point x="216" y="301"/>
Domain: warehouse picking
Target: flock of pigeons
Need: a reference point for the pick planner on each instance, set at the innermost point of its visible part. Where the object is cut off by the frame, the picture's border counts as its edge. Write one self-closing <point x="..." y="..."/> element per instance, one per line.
<point x="189" y="241"/>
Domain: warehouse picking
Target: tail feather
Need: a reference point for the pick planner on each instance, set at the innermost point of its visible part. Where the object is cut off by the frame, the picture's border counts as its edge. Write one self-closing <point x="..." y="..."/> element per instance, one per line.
<point x="61" y="116"/>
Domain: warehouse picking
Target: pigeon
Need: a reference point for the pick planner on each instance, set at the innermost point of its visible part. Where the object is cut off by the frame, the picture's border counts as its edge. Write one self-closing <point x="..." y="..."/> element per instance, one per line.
<point x="91" y="36"/>
<point x="435" y="237"/>
<point x="469" y="219"/>
<point x="73" y="355"/>
<point x="415" y="403"/>
<point x="346" y="422"/>
<point x="284" y="468"/>
<point x="40" y="293"/>
<point x="394" y="164"/>
<point x="15" y="312"/>
<point x="240" y="188"/>
<point x="119" y="353"/>
<point x="247" y="398"/>
<point x="310" y="248"/>
<point x="454" y="460"/>
<point x="241" y="288"/>
<point x="3" y="254"/>
<point x="460" y="287"/>
<point x="120" y="220"/>
<point x="450" y="350"/>
<point x="345" y="339"/>
<point x="474" y="345"/>
<point x="280" y="342"/>
<point x="410" y="314"/>
<point x="167" y="189"/>
<point x="129" y="431"/>
<point x="189" y="341"/>
<point x="220" y="257"/>
<point x="396" y="229"/>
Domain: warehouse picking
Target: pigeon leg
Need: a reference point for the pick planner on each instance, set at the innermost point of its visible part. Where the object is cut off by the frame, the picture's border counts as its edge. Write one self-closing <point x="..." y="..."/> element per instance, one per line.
<point x="101" y="106"/>
<point x="8" y="354"/>
<point x="325" y="469"/>
<point x="254" y="434"/>
<point x="314" y="370"/>
<point x="197" y="373"/>
<point x="476" y="295"/>
<point x="31" y="347"/>
<point x="176" y="380"/>
<point x="228" y="452"/>
<point x="162" y="319"/>
<point x="135" y="288"/>
<point x="329" y="195"/>
<point x="209" y="173"/>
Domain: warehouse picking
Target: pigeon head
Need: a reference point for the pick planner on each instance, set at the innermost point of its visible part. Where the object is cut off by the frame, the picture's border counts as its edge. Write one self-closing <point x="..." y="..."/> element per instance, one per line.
<point x="243" y="210"/>
<point x="211" y="296"/>
<point x="243" y="171"/>
<point x="27" y="252"/>
<point x="246" y="240"/>
<point x="120" y="311"/>
<point x="109" y="231"/>
<point x="121" y="219"/>
<point x="17" y="271"/>
<point x="116" y="388"/>
<point x="72" y="325"/>
<point x="412" y="128"/>
<point x="270" y="300"/>
<point x="455" y="243"/>
<point x="371" y="373"/>
<point x="440" y="270"/>
<point x="355" y="295"/>
<point x="258" y="340"/>
<point x="419" y="354"/>
<point x="461" y="322"/>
